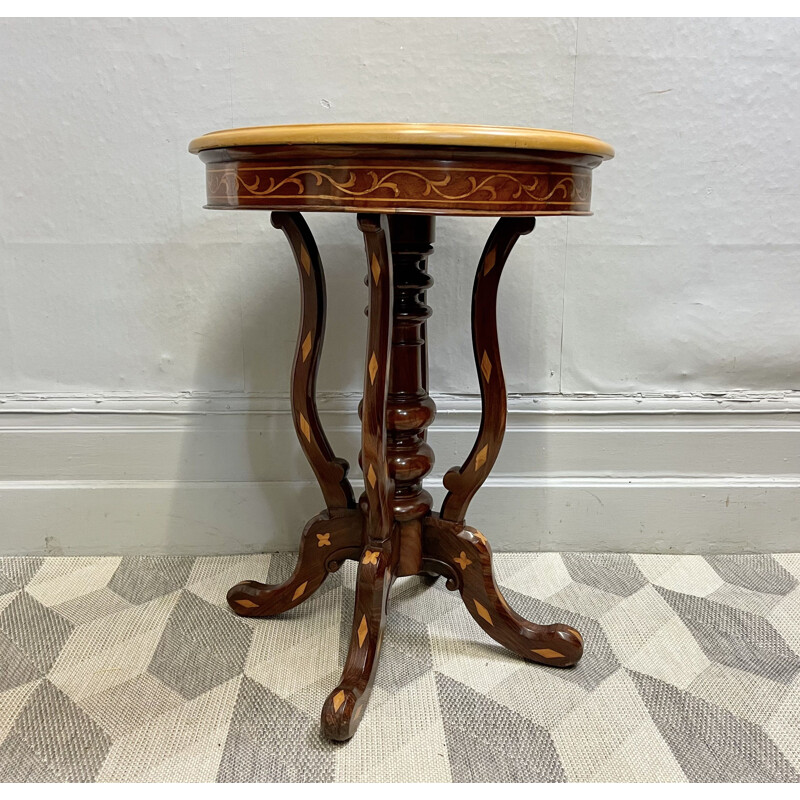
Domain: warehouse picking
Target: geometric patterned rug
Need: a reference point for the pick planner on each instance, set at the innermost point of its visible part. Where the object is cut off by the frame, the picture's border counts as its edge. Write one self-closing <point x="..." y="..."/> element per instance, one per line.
<point x="133" y="669"/>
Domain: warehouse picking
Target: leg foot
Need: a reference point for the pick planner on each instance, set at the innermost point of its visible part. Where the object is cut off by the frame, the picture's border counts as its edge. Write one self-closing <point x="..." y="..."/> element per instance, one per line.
<point x="345" y="705"/>
<point x="463" y="555"/>
<point x="328" y="539"/>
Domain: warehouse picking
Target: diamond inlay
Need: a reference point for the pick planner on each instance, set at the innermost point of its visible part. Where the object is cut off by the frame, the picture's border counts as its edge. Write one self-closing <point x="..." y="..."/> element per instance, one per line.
<point x="363" y="630"/>
<point x="462" y="560"/>
<point x="298" y="592"/>
<point x="486" y="367"/>
<point x="371" y="557"/>
<point x="489" y="262"/>
<point x="305" y="428"/>
<point x="373" y="368"/>
<point x="338" y="699"/>
<point x="480" y="459"/>
<point x="371" y="476"/>
<point x="323" y="540"/>
<point x="306" y="347"/>
<point x="305" y="260"/>
<point x="376" y="269"/>
<point x="546" y="652"/>
<point x="483" y="612"/>
<point x="245" y="603"/>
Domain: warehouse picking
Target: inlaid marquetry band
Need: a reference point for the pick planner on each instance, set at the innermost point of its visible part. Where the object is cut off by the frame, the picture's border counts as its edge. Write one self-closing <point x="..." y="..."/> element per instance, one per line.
<point x="462" y="483"/>
<point x="567" y="189"/>
<point x="331" y="472"/>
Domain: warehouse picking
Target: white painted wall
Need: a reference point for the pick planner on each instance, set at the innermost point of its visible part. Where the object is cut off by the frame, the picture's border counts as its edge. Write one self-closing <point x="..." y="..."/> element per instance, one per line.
<point x="125" y="308"/>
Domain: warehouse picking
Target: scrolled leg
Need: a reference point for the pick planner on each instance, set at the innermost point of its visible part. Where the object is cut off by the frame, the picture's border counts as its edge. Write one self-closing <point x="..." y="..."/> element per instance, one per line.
<point x="345" y="705"/>
<point x="464" y="557"/>
<point x="331" y="472"/>
<point x="463" y="482"/>
<point x="327" y="540"/>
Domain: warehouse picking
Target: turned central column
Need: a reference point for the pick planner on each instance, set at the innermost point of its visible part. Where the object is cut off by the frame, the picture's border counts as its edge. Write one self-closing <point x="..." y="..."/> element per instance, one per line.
<point x="410" y="410"/>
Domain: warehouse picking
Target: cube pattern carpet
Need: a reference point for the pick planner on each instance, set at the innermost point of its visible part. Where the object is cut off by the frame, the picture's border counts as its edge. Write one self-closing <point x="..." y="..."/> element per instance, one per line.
<point x="134" y="669"/>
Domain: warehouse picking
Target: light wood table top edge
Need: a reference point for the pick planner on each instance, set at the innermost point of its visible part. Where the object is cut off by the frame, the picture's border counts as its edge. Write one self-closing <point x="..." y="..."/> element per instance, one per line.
<point x="415" y="134"/>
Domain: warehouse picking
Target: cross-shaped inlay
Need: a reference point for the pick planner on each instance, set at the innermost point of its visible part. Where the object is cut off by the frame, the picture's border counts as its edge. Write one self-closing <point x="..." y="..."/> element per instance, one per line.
<point x="462" y="560"/>
<point x="371" y="557"/>
<point x="323" y="540"/>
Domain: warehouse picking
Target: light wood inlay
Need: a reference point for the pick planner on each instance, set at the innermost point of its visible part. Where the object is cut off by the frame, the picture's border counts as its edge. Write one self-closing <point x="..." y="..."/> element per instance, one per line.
<point x="245" y="603"/>
<point x="376" y="270"/>
<point x="324" y="540"/>
<point x="338" y="699"/>
<point x="298" y="592"/>
<point x="462" y="560"/>
<point x="305" y="428"/>
<point x="480" y="459"/>
<point x="371" y="476"/>
<point x="491" y="257"/>
<point x="546" y="652"/>
<point x="373" y="368"/>
<point x="405" y="133"/>
<point x="577" y="635"/>
<point x="306" y="346"/>
<point x="305" y="260"/>
<point x="483" y="612"/>
<point x="363" y="630"/>
<point x="371" y="557"/>
<point x="486" y="367"/>
<point x="480" y="537"/>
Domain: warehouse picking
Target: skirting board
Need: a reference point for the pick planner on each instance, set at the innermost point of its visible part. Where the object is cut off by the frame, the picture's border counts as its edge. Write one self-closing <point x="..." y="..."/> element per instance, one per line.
<point x="223" y="474"/>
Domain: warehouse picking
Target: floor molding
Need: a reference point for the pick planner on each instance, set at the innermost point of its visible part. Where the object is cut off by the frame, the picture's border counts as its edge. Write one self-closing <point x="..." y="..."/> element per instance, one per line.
<point x="215" y="474"/>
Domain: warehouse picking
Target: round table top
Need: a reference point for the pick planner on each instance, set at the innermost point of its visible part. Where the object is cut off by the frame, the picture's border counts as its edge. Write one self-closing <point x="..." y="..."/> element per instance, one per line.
<point x="417" y="134"/>
<point x="401" y="168"/>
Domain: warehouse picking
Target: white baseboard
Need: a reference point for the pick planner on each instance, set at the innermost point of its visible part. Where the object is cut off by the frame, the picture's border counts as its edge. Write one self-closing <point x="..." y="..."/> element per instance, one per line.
<point x="224" y="474"/>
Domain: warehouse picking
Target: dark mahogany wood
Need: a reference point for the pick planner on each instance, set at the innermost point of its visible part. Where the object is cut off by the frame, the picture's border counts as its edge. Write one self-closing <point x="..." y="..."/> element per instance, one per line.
<point x="463" y="483"/>
<point x="392" y="531"/>
<point x="328" y="539"/>
<point x="342" y="710"/>
<point x="464" y="557"/>
<point x="461" y="181"/>
<point x="331" y="472"/>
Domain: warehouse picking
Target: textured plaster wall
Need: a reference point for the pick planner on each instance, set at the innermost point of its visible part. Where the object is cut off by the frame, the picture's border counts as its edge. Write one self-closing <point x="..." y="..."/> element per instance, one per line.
<point x="113" y="279"/>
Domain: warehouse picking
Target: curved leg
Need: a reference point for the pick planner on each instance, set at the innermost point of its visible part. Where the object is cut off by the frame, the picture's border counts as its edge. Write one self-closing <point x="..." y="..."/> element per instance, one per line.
<point x="327" y="540"/>
<point x="331" y="472"/>
<point x="463" y="556"/>
<point x="462" y="483"/>
<point x="345" y="705"/>
<point x="378" y="486"/>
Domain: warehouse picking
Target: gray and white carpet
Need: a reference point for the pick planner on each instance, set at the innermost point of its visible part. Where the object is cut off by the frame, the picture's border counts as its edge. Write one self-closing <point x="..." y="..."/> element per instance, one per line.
<point x="133" y="669"/>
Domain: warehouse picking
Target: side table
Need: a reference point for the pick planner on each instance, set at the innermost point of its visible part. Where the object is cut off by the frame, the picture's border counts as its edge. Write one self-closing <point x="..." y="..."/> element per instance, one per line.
<point x="396" y="179"/>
